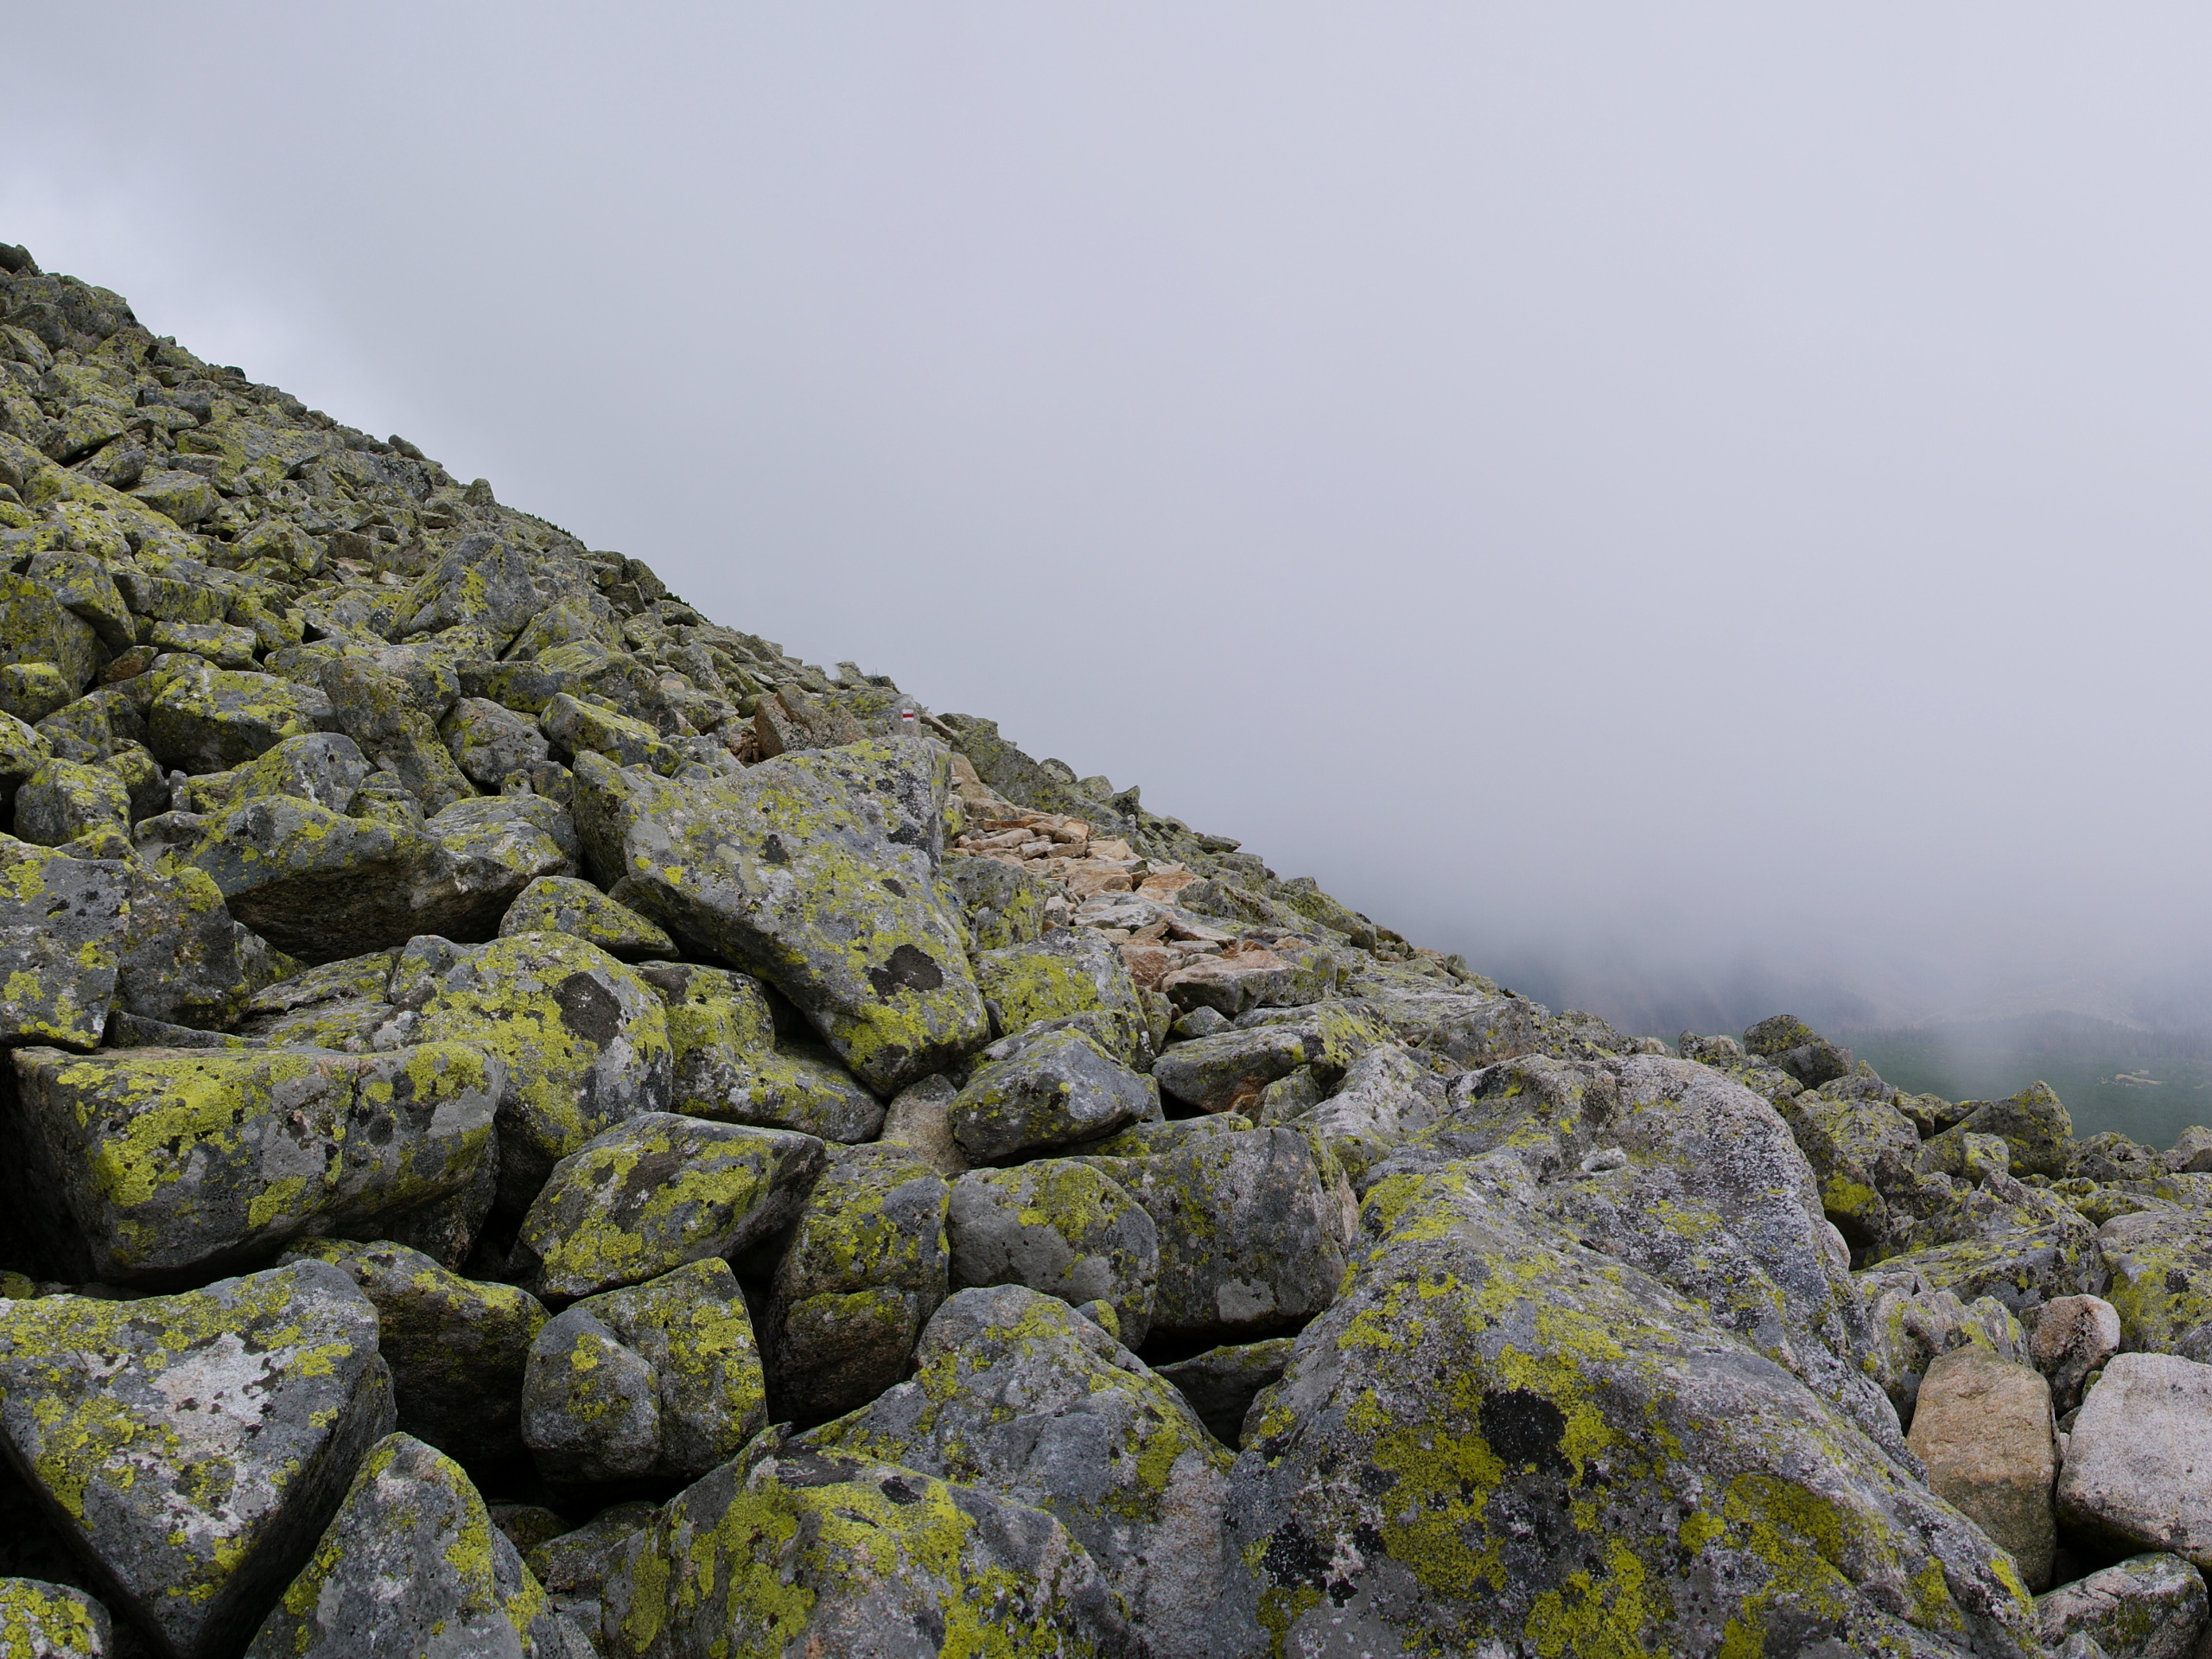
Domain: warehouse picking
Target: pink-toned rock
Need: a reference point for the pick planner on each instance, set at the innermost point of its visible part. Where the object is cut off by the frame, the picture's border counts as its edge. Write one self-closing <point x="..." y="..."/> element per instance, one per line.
<point x="1983" y="1426"/>
<point x="1150" y="963"/>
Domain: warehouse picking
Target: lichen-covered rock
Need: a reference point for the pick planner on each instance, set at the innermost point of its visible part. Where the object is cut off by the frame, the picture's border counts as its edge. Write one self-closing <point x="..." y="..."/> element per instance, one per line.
<point x="1057" y="1089"/>
<point x="2159" y="1263"/>
<point x="323" y="886"/>
<point x="815" y="872"/>
<point x="1251" y="1238"/>
<point x="806" y="1552"/>
<point x="52" y="1621"/>
<point x="729" y="1068"/>
<point x="2145" y="1607"/>
<point x="1061" y="1227"/>
<point x="64" y="799"/>
<point x="584" y="1040"/>
<point x="2023" y="1246"/>
<point x="2033" y="1124"/>
<point x="1914" y="1326"/>
<point x="562" y="904"/>
<point x="208" y="719"/>
<point x="660" y="1381"/>
<point x="573" y="1563"/>
<point x="457" y="1347"/>
<point x="326" y="768"/>
<point x="580" y="727"/>
<point x="489" y="742"/>
<point x="411" y="1564"/>
<point x="193" y="1446"/>
<point x="153" y="1166"/>
<point x="656" y="1191"/>
<point x="1983" y="1428"/>
<point x="1386" y="1094"/>
<point x="1014" y="1394"/>
<point x="63" y="921"/>
<point x="1068" y="972"/>
<point x="1501" y="1440"/>
<point x="1220" y="1383"/>
<point x="2139" y="1457"/>
<point x="36" y="627"/>
<point x="866" y="1269"/>
<point x="1226" y="1072"/>
<point x="1005" y="905"/>
<point x="184" y="960"/>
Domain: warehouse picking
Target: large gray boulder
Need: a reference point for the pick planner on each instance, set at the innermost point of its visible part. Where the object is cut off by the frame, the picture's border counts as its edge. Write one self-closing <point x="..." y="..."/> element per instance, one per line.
<point x="1016" y="1394"/>
<point x="865" y="1269"/>
<point x="411" y="1564"/>
<point x="655" y="1193"/>
<point x="2150" y="1607"/>
<point x="1045" y="1091"/>
<point x="157" y="1166"/>
<point x="191" y="1448"/>
<point x="818" y="872"/>
<point x="1501" y="1440"/>
<point x="1060" y="1226"/>
<point x="457" y="1347"/>
<point x="2138" y="1461"/>
<point x="800" y="1552"/>
<point x="63" y="926"/>
<point x="660" y="1381"/>
<point x="1251" y="1235"/>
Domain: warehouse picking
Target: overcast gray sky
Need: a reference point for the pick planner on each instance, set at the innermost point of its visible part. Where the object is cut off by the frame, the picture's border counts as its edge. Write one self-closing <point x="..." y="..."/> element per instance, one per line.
<point x="1633" y="492"/>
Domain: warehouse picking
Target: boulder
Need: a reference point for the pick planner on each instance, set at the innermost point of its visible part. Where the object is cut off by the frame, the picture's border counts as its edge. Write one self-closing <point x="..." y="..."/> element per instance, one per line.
<point x="457" y="1347"/>
<point x="1794" y="1047"/>
<point x="2145" y="1607"/>
<point x="1069" y="972"/>
<point x="1386" y="1094"/>
<point x="657" y="1382"/>
<point x="411" y="1564"/>
<point x="191" y="1448"/>
<point x="64" y="799"/>
<point x="815" y="872"/>
<point x="1225" y="1071"/>
<point x="326" y="768"/>
<point x="729" y="1068"/>
<point x="52" y="1621"/>
<point x="157" y="1166"/>
<point x="920" y="1119"/>
<point x="1005" y="905"/>
<point x="1060" y="1227"/>
<point x="208" y="719"/>
<point x="1057" y="1089"/>
<point x="1499" y="1439"/>
<point x="866" y="1269"/>
<point x="580" y="727"/>
<point x="1220" y="1383"/>
<point x="489" y="742"/>
<point x="2159" y="1263"/>
<point x="2138" y="1460"/>
<point x="656" y="1191"/>
<point x="1915" y="1326"/>
<point x="573" y="1563"/>
<point x="2074" y="1338"/>
<point x="63" y="924"/>
<point x="806" y="1552"/>
<point x="2033" y="1125"/>
<point x="562" y="904"/>
<point x="375" y="709"/>
<point x="583" y="1039"/>
<point x="1017" y="1395"/>
<point x="1251" y="1238"/>
<point x="1983" y="1426"/>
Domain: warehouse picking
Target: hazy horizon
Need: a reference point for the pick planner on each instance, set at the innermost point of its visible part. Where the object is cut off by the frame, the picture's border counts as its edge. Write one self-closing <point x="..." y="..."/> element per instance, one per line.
<point x="1700" y="511"/>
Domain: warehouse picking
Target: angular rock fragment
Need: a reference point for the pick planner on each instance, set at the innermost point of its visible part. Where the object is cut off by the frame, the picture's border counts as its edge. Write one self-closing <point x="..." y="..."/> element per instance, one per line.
<point x="153" y="1166"/>
<point x="562" y="904"/>
<point x="1225" y="1071"/>
<point x="817" y="1553"/>
<point x="1017" y="1395"/>
<point x="815" y="872"/>
<point x="490" y="742"/>
<point x="2074" y="1338"/>
<point x="729" y="1068"/>
<point x="373" y="707"/>
<point x="1060" y="1227"/>
<point x="193" y="1446"/>
<point x="411" y="1564"/>
<point x="1983" y="1426"/>
<point x="62" y="930"/>
<point x="661" y="1380"/>
<point x="865" y="1270"/>
<point x="208" y="719"/>
<point x="64" y="799"/>
<point x="583" y="1039"/>
<point x="2138" y="1460"/>
<point x="2145" y="1607"/>
<point x="656" y="1191"/>
<point x="1220" y="1383"/>
<point x="1070" y="975"/>
<point x="1057" y="1089"/>
<point x="457" y="1347"/>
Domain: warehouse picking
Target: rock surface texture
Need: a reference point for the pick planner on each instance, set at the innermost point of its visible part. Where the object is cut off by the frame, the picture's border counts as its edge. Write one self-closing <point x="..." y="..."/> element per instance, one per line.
<point x="540" y="1124"/>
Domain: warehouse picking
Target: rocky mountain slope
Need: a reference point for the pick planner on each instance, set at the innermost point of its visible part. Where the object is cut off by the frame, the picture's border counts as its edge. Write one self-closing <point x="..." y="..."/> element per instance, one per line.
<point x="537" y="1124"/>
